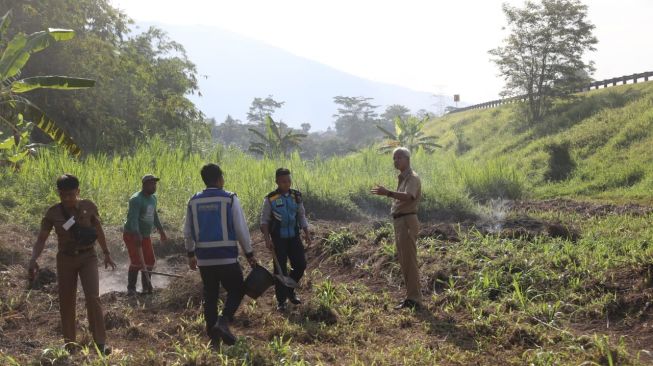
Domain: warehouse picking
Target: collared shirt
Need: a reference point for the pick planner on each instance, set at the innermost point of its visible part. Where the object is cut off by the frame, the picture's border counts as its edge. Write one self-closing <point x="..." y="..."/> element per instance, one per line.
<point x="85" y="214"/>
<point x="266" y="213"/>
<point x="410" y="183"/>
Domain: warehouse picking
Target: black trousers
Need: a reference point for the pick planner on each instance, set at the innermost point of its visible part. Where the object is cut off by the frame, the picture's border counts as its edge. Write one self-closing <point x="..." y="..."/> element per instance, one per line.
<point x="231" y="278"/>
<point x="289" y="249"/>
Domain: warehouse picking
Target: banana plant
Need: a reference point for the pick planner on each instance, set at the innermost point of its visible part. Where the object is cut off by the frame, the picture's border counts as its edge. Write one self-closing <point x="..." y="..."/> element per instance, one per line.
<point x="15" y="149"/>
<point x="14" y="107"/>
<point x="273" y="142"/>
<point x="408" y="134"/>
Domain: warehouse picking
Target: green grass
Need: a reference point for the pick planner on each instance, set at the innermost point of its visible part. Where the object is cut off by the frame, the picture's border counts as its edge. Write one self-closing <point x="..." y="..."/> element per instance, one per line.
<point x="609" y="132"/>
<point x="336" y="188"/>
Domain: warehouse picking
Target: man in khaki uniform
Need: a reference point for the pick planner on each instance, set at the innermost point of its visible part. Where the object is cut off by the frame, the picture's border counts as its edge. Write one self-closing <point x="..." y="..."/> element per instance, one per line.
<point x="404" y="214"/>
<point x="77" y="225"/>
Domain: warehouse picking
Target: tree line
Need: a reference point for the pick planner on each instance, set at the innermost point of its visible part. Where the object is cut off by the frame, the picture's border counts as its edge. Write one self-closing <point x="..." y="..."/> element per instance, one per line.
<point x="357" y="124"/>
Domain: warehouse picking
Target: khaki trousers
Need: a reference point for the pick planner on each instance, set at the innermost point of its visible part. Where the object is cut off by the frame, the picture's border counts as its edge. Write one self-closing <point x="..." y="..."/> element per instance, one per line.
<point x="406" y="230"/>
<point x="84" y="266"/>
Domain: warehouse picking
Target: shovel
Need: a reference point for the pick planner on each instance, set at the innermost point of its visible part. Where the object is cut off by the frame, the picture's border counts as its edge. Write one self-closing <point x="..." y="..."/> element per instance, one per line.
<point x="164" y="274"/>
<point x="285" y="280"/>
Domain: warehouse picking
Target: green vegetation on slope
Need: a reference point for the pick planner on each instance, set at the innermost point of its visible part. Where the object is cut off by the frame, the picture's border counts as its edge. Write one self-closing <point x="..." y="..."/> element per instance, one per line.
<point x="608" y="132"/>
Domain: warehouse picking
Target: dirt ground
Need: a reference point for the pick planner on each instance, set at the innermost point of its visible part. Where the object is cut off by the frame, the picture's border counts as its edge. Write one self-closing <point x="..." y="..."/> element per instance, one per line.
<point x="31" y="323"/>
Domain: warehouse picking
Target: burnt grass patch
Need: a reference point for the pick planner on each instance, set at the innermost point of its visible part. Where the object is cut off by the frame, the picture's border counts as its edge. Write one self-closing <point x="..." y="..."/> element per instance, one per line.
<point x="181" y="293"/>
<point x="115" y="320"/>
<point x="584" y="209"/>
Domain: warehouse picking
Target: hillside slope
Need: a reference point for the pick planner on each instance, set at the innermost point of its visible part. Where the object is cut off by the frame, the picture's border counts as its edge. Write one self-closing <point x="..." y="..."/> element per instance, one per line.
<point x="607" y="131"/>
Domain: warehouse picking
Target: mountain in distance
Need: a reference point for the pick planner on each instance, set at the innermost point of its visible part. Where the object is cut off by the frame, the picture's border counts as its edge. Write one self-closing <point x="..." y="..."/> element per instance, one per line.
<point x="234" y="70"/>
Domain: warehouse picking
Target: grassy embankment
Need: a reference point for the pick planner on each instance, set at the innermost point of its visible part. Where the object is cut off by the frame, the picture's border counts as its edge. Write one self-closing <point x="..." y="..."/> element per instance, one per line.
<point x="609" y="133"/>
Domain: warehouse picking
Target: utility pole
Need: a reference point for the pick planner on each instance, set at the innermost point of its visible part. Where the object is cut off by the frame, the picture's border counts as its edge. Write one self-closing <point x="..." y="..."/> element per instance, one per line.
<point x="440" y="100"/>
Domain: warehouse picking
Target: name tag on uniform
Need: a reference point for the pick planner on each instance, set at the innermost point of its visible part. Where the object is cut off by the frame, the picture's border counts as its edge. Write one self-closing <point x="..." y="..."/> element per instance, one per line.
<point x="69" y="223"/>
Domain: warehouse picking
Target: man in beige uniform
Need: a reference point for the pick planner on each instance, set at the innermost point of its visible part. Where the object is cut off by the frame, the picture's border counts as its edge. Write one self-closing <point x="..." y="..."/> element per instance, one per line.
<point x="404" y="214"/>
<point x="76" y="258"/>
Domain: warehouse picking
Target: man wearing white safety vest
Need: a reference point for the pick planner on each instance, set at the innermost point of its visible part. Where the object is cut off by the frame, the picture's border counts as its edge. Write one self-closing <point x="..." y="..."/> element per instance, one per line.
<point x="215" y="224"/>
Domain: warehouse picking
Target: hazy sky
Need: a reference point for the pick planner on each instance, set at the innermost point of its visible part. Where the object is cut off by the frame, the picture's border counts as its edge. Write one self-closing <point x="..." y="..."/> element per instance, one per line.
<point x="429" y="45"/>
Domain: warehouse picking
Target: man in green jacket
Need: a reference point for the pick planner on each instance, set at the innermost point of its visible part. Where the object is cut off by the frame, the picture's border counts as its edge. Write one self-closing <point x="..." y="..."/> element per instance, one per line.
<point x="141" y="219"/>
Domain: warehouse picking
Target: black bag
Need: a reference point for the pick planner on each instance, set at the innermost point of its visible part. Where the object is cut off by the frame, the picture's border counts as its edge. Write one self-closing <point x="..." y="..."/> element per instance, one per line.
<point x="84" y="236"/>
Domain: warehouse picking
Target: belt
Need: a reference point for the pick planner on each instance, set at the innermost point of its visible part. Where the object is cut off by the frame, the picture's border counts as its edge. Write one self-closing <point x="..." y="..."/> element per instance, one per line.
<point x="396" y="216"/>
<point x="77" y="251"/>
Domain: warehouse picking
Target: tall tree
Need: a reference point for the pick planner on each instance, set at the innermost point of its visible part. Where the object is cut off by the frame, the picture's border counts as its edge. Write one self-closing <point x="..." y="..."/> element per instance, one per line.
<point x="394" y="111"/>
<point x="355" y="120"/>
<point x="261" y="108"/>
<point x="543" y="55"/>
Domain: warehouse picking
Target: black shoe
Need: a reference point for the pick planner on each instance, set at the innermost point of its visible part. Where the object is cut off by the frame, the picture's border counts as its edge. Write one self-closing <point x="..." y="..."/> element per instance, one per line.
<point x="214" y="335"/>
<point x="146" y="283"/>
<point x="103" y="349"/>
<point x="132" y="276"/>
<point x="408" y="303"/>
<point x="294" y="299"/>
<point x="281" y="307"/>
<point x="221" y="329"/>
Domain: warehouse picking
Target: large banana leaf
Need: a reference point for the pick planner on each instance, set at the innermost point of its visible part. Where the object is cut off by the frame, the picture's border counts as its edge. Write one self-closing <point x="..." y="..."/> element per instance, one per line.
<point x="399" y="124"/>
<point x="50" y="82"/>
<point x="19" y="156"/>
<point x="21" y="47"/>
<point x="273" y="131"/>
<point x="8" y="143"/>
<point x="391" y="135"/>
<point x="33" y="114"/>
<point x="260" y="135"/>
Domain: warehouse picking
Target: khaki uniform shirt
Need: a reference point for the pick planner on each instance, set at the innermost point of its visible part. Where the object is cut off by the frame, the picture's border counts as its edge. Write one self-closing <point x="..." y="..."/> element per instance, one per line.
<point x="410" y="183"/>
<point x="86" y="214"/>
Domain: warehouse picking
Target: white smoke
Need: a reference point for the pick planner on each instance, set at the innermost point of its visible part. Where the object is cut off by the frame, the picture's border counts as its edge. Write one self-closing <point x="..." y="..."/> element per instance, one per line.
<point x="493" y="215"/>
<point x="116" y="280"/>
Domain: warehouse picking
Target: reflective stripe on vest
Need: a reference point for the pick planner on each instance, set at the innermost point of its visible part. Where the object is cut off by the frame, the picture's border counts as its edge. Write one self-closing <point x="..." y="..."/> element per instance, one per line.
<point x="213" y="228"/>
<point x="284" y="210"/>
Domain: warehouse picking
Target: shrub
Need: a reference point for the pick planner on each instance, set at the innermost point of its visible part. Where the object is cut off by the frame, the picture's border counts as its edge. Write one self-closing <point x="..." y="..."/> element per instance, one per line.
<point x="339" y="241"/>
<point x="490" y="180"/>
<point x="560" y="164"/>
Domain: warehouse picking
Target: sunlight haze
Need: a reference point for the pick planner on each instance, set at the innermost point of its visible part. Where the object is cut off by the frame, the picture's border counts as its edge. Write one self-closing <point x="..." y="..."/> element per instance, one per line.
<point x="433" y="46"/>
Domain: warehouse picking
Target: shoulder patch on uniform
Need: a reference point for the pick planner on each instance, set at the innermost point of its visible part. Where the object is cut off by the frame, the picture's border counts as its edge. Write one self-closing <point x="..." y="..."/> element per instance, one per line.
<point x="271" y="194"/>
<point x="297" y="195"/>
<point x="273" y="197"/>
